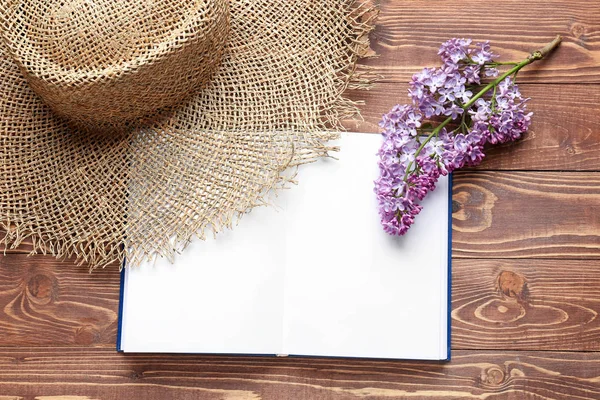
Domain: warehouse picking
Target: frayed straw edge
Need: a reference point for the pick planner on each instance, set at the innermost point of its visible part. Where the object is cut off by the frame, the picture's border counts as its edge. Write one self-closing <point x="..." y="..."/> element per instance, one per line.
<point x="355" y="77"/>
<point x="16" y="233"/>
<point x="307" y="150"/>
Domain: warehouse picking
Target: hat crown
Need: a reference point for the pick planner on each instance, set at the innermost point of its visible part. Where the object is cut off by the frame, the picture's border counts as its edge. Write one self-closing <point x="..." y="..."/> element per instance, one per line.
<point x="81" y="34"/>
<point x="104" y="63"/>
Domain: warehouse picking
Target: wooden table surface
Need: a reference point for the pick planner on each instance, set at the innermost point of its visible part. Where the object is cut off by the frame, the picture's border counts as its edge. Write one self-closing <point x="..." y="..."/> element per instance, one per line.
<point x="526" y="251"/>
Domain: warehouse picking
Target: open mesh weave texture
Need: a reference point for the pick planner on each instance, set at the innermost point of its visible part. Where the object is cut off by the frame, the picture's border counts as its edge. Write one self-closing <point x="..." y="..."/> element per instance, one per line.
<point x="103" y="63"/>
<point x="149" y="190"/>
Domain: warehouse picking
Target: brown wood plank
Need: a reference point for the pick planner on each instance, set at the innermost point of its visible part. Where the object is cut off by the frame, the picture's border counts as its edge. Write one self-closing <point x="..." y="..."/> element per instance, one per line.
<point x="526" y="215"/>
<point x="496" y="215"/>
<point x="409" y="34"/>
<point x="103" y="373"/>
<point x="564" y="135"/>
<point x="508" y="304"/>
<point x="526" y="304"/>
<point x="497" y="304"/>
<point x="46" y="302"/>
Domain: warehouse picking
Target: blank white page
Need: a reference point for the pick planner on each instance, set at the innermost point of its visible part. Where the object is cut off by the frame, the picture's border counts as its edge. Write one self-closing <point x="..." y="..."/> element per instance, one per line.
<point x="222" y="295"/>
<point x="351" y="289"/>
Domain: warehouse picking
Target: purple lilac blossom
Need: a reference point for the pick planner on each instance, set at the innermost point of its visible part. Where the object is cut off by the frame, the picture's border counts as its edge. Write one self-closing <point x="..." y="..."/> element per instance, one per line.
<point x="438" y="93"/>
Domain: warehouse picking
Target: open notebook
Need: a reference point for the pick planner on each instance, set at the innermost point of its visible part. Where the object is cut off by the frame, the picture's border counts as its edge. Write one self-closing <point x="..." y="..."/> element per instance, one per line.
<point x="315" y="276"/>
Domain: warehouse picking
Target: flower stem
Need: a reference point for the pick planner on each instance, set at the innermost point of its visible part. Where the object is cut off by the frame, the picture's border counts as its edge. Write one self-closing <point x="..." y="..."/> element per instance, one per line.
<point x="496" y="63"/>
<point x="534" y="56"/>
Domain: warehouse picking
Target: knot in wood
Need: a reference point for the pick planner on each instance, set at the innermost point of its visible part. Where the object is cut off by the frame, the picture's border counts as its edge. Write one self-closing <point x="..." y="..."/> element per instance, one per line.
<point x="513" y="285"/>
<point x="492" y="376"/>
<point x="86" y="335"/>
<point x="472" y="207"/>
<point x="456" y="206"/>
<point x="135" y="375"/>
<point x="42" y="288"/>
<point x="578" y="30"/>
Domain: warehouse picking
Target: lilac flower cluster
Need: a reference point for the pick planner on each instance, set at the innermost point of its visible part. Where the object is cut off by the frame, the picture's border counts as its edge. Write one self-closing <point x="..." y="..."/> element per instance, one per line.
<point x="445" y="128"/>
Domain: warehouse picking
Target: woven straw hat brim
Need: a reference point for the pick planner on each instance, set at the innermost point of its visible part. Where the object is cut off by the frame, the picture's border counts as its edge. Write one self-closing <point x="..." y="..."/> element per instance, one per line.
<point x="271" y="105"/>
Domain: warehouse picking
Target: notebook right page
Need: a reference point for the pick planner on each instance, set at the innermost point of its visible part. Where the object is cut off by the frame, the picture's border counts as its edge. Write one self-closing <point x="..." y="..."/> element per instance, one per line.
<point x="351" y="290"/>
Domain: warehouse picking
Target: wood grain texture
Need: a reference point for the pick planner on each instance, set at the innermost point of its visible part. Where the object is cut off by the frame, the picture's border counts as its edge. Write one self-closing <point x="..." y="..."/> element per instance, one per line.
<point x="496" y="215"/>
<point x="526" y="260"/>
<point x="564" y="135"/>
<point x="104" y="374"/>
<point x="497" y="304"/>
<point x="526" y="304"/>
<point x="526" y="215"/>
<point x="46" y="302"/>
<point x="409" y="34"/>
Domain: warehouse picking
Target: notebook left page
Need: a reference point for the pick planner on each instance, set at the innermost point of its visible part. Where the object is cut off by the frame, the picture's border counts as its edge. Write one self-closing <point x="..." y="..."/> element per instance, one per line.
<point x="220" y="296"/>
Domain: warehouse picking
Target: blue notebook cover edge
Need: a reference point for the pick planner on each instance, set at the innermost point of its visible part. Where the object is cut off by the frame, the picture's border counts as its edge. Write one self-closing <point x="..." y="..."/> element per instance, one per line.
<point x="450" y="182"/>
<point x="120" y="316"/>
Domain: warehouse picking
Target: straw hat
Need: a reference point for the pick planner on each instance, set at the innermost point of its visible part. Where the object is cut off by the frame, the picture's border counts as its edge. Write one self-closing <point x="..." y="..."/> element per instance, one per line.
<point x="128" y="127"/>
